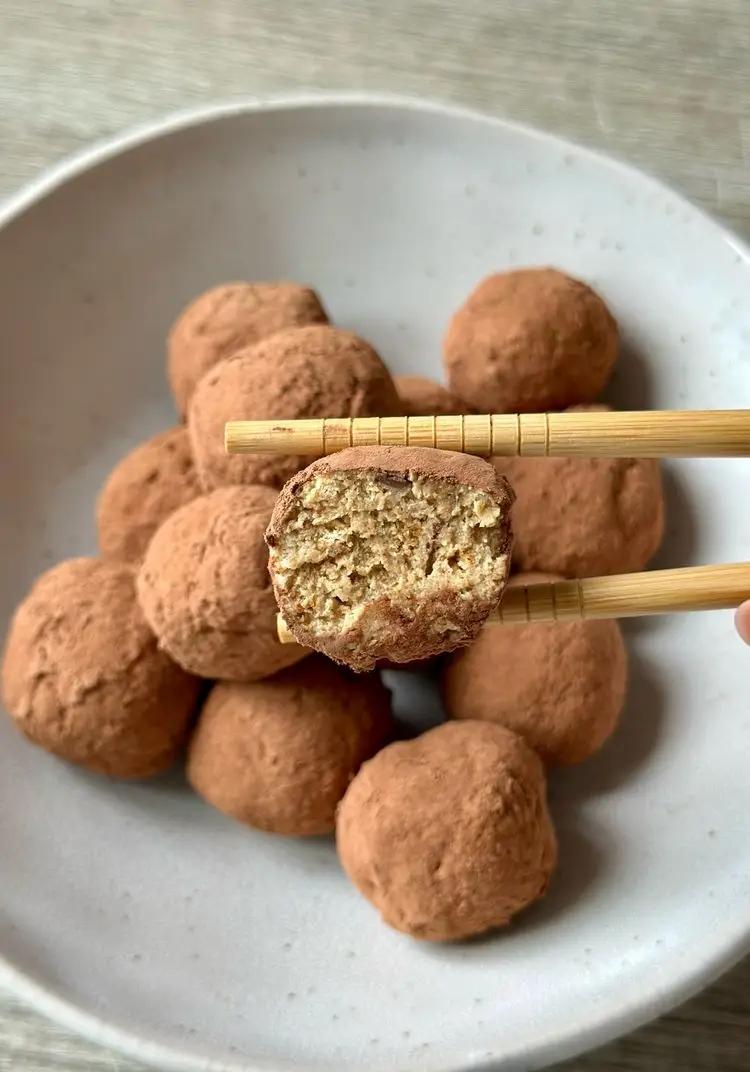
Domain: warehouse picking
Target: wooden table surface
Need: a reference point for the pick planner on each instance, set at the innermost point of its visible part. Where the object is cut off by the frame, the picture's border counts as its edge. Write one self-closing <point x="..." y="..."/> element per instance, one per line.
<point x="663" y="84"/>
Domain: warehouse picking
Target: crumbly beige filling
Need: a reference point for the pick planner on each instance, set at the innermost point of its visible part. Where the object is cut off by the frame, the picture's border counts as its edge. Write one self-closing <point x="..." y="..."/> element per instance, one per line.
<point x="357" y="537"/>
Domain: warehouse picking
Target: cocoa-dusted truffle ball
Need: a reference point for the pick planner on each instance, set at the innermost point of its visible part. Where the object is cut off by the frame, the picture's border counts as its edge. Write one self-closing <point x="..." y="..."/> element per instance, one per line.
<point x="228" y="317"/>
<point x="561" y="686"/>
<point x="279" y="754"/>
<point x="142" y="490"/>
<point x="205" y="590"/>
<point x="393" y="553"/>
<point x="421" y="397"/>
<point x="530" y="340"/>
<point x="448" y="835"/>
<point x="581" y="517"/>
<point x="83" y="676"/>
<point x="304" y="372"/>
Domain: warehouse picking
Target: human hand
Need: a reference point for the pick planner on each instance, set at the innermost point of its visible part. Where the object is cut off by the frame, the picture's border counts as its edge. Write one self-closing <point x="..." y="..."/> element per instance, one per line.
<point x="742" y="621"/>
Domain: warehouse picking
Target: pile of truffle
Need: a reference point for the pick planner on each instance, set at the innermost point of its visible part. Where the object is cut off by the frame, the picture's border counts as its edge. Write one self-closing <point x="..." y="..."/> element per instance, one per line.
<point x="167" y="641"/>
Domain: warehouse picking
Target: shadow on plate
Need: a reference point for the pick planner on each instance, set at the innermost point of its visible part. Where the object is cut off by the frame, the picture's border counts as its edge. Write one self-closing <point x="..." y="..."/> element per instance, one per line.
<point x="630" y="386"/>
<point x="27" y="955"/>
<point x="581" y="861"/>
<point x="417" y="706"/>
<point x="637" y="736"/>
<point x="682" y="534"/>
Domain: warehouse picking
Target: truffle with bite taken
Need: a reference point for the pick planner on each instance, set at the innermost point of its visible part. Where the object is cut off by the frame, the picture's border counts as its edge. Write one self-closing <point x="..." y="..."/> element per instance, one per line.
<point x="394" y="553"/>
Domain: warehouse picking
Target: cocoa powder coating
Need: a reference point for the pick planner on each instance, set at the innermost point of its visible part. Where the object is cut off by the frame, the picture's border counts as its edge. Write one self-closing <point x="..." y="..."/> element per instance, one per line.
<point x="581" y="517"/>
<point x="83" y="677"/>
<point x="448" y="835"/>
<point x="228" y="317"/>
<point x="142" y="490"/>
<point x="279" y="754"/>
<point x="205" y="590"/>
<point x="315" y="371"/>
<point x="396" y="463"/>
<point x="530" y="340"/>
<point x="422" y="397"/>
<point x="560" y="686"/>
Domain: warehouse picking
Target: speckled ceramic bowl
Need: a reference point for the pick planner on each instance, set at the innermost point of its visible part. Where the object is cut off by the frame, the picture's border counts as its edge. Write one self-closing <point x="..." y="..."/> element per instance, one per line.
<point x="142" y="918"/>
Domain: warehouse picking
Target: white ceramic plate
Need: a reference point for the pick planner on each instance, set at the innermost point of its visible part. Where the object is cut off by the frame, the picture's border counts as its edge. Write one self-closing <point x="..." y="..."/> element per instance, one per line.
<point x="143" y="919"/>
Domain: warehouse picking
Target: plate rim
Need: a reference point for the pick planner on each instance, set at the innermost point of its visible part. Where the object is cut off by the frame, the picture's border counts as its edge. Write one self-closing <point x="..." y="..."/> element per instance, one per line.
<point x="610" y="1022"/>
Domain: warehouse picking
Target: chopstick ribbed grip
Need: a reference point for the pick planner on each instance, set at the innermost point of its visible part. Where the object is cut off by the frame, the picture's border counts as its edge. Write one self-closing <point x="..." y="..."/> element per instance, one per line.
<point x="577" y="433"/>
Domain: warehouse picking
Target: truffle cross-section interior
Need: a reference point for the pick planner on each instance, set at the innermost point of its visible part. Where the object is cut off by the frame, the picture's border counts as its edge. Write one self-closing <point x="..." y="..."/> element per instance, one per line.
<point x="390" y="553"/>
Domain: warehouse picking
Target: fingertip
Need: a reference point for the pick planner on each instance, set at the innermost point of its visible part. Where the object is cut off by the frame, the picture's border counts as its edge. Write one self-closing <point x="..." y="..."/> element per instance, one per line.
<point x="742" y="621"/>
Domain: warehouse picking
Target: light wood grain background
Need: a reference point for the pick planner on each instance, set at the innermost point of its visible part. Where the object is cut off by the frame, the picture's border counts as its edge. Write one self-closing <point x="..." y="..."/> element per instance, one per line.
<point x="664" y="84"/>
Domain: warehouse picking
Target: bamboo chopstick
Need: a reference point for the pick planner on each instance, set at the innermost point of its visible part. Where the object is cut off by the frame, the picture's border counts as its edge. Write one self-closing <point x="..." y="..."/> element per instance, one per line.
<point x="580" y="433"/>
<point x="627" y="595"/>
